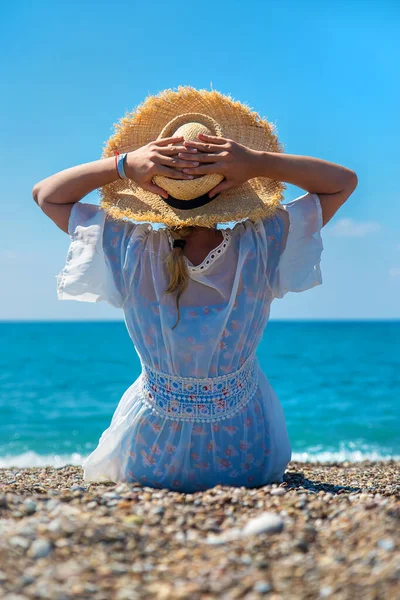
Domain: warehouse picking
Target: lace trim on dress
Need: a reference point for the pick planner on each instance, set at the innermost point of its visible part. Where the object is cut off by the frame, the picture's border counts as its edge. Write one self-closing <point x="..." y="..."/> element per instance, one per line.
<point x="199" y="399"/>
<point x="211" y="256"/>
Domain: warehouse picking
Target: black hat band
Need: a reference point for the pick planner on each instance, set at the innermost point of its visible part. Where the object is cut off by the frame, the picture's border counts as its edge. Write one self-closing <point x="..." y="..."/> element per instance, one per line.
<point x="188" y="204"/>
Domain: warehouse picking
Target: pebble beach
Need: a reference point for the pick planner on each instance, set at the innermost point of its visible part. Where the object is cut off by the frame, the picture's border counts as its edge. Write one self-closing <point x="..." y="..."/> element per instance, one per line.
<point x="327" y="531"/>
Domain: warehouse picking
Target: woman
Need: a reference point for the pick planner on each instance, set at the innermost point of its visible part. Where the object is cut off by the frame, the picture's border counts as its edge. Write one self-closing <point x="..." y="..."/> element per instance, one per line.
<point x="196" y="299"/>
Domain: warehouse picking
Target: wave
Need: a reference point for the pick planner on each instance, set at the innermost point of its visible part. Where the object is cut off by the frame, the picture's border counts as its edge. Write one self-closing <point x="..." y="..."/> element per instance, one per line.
<point x="33" y="459"/>
<point x="312" y="455"/>
<point x="342" y="456"/>
<point x="347" y="452"/>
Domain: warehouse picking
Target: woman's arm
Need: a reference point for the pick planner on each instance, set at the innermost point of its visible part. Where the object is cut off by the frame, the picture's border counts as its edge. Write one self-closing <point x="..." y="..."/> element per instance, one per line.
<point x="58" y="193"/>
<point x="333" y="183"/>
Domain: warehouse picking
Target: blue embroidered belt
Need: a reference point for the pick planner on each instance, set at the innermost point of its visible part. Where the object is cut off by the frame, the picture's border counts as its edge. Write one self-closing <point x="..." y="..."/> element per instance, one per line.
<point x="194" y="399"/>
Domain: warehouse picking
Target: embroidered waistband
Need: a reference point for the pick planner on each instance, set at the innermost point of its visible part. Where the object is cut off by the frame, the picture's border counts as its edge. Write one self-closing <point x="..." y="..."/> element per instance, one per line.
<point x="194" y="399"/>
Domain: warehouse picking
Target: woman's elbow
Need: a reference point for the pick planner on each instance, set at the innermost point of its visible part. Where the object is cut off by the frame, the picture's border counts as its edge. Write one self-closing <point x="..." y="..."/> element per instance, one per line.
<point x="36" y="193"/>
<point x="353" y="180"/>
<point x="39" y="195"/>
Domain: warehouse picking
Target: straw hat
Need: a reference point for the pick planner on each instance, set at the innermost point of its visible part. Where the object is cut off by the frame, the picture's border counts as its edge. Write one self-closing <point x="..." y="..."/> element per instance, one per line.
<point x="187" y="112"/>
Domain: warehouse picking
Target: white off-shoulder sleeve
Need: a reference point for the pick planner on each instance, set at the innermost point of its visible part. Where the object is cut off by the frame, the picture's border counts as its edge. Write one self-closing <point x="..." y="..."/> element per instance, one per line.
<point x="298" y="267"/>
<point x="97" y="258"/>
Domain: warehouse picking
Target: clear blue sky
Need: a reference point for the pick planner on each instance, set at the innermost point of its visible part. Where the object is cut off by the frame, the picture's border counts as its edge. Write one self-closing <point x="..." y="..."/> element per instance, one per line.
<point x="327" y="73"/>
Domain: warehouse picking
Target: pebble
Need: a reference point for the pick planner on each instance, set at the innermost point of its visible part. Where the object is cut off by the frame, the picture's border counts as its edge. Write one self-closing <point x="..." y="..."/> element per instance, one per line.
<point x="40" y="548"/>
<point x="27" y="580"/>
<point x="326" y="592"/>
<point x="30" y="506"/>
<point x="262" y="587"/>
<point x="112" y="496"/>
<point x="280" y="491"/>
<point x="54" y="526"/>
<point x="28" y="530"/>
<point x="386" y="544"/>
<point x="324" y="532"/>
<point x="227" y="536"/>
<point x="20" y="541"/>
<point x="52" y="504"/>
<point x="265" y="523"/>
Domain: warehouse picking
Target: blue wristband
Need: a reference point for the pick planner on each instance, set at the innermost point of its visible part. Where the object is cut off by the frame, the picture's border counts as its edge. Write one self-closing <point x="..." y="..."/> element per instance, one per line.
<point x="120" y="165"/>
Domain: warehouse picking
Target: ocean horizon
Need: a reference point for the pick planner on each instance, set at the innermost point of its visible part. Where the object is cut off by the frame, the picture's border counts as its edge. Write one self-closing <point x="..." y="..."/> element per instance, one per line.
<point x="338" y="382"/>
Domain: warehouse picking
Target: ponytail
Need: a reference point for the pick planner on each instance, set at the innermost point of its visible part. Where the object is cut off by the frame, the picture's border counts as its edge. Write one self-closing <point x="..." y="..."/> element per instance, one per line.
<point x="177" y="268"/>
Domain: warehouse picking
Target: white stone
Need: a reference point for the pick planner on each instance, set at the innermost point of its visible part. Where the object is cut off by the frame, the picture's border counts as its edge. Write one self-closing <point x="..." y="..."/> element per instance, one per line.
<point x="264" y="523"/>
<point x="77" y="488"/>
<point x="54" y="526"/>
<point x="262" y="587"/>
<point x="120" y="489"/>
<point x="112" y="496"/>
<point x="20" y="541"/>
<point x="226" y="536"/>
<point x="386" y="544"/>
<point x="30" y="506"/>
<point x="280" y="491"/>
<point x="325" y="592"/>
<point x="40" y="548"/>
<point x="52" y="504"/>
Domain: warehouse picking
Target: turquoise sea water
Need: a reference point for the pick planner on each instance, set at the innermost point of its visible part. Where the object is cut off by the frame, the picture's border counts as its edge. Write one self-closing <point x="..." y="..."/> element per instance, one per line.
<point x="338" y="382"/>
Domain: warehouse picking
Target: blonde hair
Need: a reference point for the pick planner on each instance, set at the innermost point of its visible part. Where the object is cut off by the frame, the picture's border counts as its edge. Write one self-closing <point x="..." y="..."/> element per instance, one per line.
<point x="177" y="268"/>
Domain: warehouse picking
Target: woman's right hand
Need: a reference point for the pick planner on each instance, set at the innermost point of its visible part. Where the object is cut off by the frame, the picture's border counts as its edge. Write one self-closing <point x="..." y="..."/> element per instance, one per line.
<point x="158" y="158"/>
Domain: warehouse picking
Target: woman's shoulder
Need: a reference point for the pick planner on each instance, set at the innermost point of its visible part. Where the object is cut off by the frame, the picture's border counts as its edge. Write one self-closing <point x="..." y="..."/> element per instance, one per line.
<point x="259" y="227"/>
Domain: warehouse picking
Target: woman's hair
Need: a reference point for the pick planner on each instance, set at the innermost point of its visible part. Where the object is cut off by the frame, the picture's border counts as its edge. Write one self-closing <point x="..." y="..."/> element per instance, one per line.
<point x="177" y="268"/>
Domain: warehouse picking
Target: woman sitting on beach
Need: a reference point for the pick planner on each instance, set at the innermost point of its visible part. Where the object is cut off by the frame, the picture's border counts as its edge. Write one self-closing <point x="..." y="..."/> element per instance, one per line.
<point x="196" y="298"/>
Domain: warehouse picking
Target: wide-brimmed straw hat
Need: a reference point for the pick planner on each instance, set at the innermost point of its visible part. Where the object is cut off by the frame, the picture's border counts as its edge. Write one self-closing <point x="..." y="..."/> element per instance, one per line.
<point x="187" y="112"/>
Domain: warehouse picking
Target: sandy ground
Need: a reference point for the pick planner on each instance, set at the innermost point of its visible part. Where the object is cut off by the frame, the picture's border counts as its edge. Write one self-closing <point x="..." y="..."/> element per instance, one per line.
<point x="328" y="531"/>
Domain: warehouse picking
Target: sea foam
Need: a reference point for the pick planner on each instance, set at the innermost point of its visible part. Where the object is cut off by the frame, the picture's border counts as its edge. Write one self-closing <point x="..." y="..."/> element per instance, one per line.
<point x="33" y="459"/>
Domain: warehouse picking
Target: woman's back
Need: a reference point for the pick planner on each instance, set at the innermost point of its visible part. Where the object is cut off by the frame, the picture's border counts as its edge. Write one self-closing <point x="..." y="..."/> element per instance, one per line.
<point x="225" y="308"/>
<point x="201" y="401"/>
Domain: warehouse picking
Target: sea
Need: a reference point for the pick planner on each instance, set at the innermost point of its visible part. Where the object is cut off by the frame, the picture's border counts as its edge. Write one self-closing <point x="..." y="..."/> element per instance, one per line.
<point x="338" y="383"/>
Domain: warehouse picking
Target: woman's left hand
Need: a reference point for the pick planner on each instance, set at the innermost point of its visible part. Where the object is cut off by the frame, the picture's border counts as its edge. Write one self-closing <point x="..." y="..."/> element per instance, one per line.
<point x="235" y="162"/>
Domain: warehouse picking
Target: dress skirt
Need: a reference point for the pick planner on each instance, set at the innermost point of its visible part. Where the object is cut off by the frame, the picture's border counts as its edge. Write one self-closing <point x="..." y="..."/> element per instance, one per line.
<point x="248" y="449"/>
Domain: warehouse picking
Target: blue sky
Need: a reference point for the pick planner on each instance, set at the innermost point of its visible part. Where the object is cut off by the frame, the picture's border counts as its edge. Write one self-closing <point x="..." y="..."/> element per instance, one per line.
<point x="326" y="73"/>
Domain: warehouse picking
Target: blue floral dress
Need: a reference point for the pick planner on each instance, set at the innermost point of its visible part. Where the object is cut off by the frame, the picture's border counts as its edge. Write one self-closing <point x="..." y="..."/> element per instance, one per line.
<point x="202" y="412"/>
